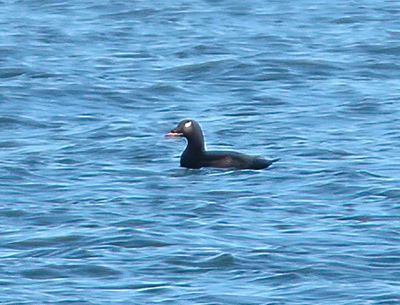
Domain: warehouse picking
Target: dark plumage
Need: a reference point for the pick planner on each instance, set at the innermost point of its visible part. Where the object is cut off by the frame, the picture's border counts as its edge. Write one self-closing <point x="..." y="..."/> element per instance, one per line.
<point x="196" y="156"/>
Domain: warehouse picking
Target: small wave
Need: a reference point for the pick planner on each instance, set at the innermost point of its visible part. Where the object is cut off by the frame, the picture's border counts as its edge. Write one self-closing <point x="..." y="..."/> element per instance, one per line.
<point x="224" y="260"/>
<point x="10" y="121"/>
<point x="11" y="72"/>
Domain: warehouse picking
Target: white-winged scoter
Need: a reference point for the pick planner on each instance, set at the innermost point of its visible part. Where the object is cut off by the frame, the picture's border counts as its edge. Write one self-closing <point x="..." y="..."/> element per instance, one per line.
<point x="196" y="156"/>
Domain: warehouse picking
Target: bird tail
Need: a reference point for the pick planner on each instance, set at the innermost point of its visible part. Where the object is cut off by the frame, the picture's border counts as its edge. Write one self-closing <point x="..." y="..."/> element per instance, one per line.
<point x="261" y="163"/>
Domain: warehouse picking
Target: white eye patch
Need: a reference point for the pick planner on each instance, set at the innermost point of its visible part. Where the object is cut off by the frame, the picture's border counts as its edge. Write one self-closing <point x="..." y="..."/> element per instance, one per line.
<point x="188" y="124"/>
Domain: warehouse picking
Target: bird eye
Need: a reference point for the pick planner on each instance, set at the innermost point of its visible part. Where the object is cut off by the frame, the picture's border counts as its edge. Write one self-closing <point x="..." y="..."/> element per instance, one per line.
<point x="188" y="124"/>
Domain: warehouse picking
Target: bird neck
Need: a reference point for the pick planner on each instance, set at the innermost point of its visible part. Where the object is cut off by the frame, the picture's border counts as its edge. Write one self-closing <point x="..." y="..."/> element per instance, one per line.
<point x="196" y="144"/>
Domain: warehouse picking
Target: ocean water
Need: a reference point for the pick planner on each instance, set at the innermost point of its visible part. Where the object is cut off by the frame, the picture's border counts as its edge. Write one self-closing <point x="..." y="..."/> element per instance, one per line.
<point x="94" y="208"/>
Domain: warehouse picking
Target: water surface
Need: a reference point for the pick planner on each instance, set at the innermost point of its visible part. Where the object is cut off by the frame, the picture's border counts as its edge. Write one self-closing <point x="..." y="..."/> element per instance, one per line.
<point x="94" y="208"/>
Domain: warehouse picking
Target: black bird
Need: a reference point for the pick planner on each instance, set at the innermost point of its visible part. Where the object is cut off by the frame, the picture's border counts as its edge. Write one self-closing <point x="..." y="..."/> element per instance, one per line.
<point x="196" y="156"/>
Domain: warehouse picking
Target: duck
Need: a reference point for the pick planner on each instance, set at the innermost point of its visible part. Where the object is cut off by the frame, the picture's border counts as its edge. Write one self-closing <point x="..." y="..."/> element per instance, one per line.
<point x="196" y="156"/>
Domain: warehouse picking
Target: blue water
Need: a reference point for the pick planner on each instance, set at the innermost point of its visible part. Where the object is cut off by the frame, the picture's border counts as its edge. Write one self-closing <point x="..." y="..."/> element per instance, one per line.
<point x="94" y="208"/>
